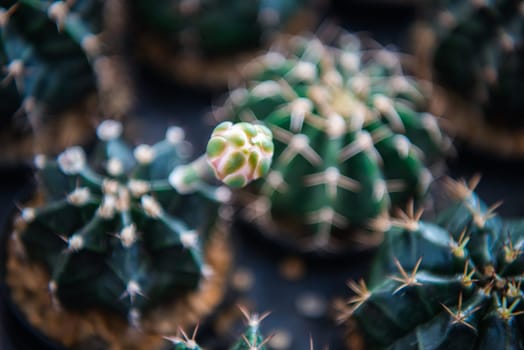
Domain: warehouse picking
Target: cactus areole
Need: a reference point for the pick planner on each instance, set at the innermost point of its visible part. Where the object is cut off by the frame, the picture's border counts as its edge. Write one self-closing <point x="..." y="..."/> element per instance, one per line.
<point x="126" y="228"/>
<point x="455" y="283"/>
<point x="351" y="135"/>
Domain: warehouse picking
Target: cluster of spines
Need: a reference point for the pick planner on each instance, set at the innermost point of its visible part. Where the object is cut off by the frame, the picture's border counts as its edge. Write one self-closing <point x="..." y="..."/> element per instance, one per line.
<point x="334" y="94"/>
<point x="479" y="288"/>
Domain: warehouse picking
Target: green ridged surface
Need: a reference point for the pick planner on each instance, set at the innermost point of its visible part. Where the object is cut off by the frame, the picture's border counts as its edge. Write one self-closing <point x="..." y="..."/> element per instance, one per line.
<point x="124" y="229"/>
<point x="468" y="256"/>
<point x="479" y="55"/>
<point x="214" y="26"/>
<point x="351" y="131"/>
<point x="58" y="72"/>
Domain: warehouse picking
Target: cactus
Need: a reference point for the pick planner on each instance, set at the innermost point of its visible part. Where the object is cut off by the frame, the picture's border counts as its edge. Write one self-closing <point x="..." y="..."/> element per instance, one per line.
<point x="477" y="59"/>
<point x="251" y="339"/>
<point x="352" y="135"/>
<point x="127" y="229"/>
<point x="56" y="54"/>
<point x="203" y="43"/>
<point x="453" y="283"/>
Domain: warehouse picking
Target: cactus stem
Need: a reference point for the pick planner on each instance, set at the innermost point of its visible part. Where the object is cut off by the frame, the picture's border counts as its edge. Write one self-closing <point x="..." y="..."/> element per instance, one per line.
<point x="363" y="142"/>
<point x="405" y="279"/>
<point x="460" y="316"/>
<point x="254" y="346"/>
<point x="276" y="181"/>
<point x="296" y="144"/>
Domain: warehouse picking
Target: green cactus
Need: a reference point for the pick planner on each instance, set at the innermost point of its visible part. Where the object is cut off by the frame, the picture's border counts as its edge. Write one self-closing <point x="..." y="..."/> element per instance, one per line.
<point x="57" y="53"/>
<point x="454" y="283"/>
<point x="352" y="135"/>
<point x="479" y="56"/>
<point x="251" y="339"/>
<point x="9" y="98"/>
<point x="124" y="230"/>
<point x="214" y="27"/>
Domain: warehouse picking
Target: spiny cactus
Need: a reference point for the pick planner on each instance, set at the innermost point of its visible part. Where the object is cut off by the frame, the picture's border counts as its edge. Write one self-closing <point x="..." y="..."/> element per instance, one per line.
<point x="352" y="134"/>
<point x="454" y="283"/>
<point x="251" y="339"/>
<point x="56" y="55"/>
<point x="216" y="26"/>
<point x="127" y="229"/>
<point x="478" y="57"/>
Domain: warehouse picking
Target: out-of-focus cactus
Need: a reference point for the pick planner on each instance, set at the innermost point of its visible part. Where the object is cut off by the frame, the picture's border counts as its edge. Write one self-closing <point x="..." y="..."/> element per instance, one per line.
<point x="202" y="42"/>
<point x="352" y="135"/>
<point x="128" y="228"/>
<point x="477" y="58"/>
<point x="454" y="283"/>
<point x="57" y="56"/>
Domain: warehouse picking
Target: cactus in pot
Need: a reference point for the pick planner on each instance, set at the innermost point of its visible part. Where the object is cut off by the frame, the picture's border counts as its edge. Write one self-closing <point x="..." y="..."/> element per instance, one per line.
<point x="202" y="43"/>
<point x="58" y="55"/>
<point x="455" y="282"/>
<point x="475" y="56"/>
<point x="352" y="138"/>
<point x="130" y="232"/>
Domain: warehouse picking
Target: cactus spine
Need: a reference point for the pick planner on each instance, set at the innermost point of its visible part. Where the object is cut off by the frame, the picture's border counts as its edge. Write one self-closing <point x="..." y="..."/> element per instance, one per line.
<point x="454" y="283"/>
<point x="352" y="135"/>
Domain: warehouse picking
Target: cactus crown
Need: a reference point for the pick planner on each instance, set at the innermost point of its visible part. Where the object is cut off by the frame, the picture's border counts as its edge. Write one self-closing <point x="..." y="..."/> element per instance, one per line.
<point x="453" y="283"/>
<point x="215" y="26"/>
<point x="479" y="56"/>
<point x="123" y="230"/>
<point x="350" y="129"/>
<point x="51" y="50"/>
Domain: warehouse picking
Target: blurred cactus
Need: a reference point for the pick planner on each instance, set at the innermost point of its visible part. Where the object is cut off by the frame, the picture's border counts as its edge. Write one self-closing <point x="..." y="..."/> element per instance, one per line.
<point x="125" y="230"/>
<point x="215" y="27"/>
<point x="352" y="134"/>
<point x="454" y="283"/>
<point x="473" y="52"/>
<point x="58" y="56"/>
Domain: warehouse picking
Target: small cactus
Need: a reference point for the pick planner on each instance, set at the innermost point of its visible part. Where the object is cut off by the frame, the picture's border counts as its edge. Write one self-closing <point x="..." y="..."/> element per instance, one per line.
<point x="454" y="283"/>
<point x="352" y="134"/>
<point x="126" y="229"/>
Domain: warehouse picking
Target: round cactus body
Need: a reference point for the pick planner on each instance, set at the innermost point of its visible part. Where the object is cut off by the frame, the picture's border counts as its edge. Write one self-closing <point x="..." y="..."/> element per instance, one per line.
<point x="115" y="230"/>
<point x="351" y="133"/>
<point x="454" y="283"/>
<point x="215" y="27"/>
<point x="240" y="153"/>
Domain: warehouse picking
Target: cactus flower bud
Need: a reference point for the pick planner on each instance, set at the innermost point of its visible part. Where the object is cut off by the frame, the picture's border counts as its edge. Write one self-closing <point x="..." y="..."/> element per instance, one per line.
<point x="240" y="153"/>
